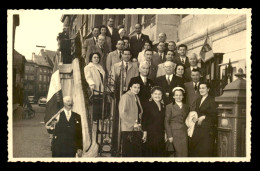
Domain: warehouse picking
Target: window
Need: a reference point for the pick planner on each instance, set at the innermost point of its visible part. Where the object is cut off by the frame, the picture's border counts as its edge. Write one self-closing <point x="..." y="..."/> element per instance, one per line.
<point x="44" y="78"/>
<point x="45" y="70"/>
<point x="25" y="77"/>
<point x="40" y="70"/>
<point x="44" y="87"/>
<point x="40" y="87"/>
<point x="30" y="87"/>
<point x="27" y="68"/>
<point x="40" y="77"/>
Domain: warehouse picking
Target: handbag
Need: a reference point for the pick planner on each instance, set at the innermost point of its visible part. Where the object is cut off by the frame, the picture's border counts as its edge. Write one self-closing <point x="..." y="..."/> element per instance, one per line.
<point x="135" y="137"/>
<point x="170" y="149"/>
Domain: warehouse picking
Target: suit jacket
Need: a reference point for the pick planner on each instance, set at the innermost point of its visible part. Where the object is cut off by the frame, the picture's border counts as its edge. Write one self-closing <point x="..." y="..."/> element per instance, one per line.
<point x="89" y="42"/>
<point x="157" y="59"/>
<point x="131" y="72"/>
<point x="177" y="60"/>
<point x="128" y="111"/>
<point x="108" y="43"/>
<point x="145" y="90"/>
<point x="96" y="48"/>
<point x="152" y="71"/>
<point x="209" y="109"/>
<point x="156" y="50"/>
<point x="191" y="95"/>
<point x="137" y="45"/>
<point x="93" y="77"/>
<point x="67" y="136"/>
<point x="187" y="74"/>
<point x="167" y="89"/>
<point x="112" y="58"/>
<point x="175" y="118"/>
<point x="114" y="37"/>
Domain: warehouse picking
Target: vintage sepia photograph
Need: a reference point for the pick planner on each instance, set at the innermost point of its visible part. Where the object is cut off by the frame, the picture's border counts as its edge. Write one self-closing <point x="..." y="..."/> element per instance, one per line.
<point x="167" y="85"/>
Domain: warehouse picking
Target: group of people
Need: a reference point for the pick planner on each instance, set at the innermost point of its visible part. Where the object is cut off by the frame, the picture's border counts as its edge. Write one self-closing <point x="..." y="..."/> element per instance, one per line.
<point x="162" y="87"/>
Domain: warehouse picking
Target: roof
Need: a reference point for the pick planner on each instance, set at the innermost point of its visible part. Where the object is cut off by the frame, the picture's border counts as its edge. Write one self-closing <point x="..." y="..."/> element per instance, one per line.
<point x="18" y="59"/>
<point x="50" y="56"/>
<point x="41" y="60"/>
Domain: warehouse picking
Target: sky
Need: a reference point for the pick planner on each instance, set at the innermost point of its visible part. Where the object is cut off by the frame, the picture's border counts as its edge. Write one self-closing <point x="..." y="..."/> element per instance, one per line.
<point x="37" y="29"/>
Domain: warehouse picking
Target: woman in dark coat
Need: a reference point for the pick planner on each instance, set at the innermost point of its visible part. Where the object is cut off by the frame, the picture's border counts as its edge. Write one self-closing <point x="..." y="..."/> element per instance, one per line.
<point x="153" y="125"/>
<point x="176" y="129"/>
<point x="178" y="78"/>
<point x="202" y="140"/>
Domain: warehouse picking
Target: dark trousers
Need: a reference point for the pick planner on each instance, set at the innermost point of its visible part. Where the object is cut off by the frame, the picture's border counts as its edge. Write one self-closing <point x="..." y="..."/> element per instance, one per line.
<point x="129" y="149"/>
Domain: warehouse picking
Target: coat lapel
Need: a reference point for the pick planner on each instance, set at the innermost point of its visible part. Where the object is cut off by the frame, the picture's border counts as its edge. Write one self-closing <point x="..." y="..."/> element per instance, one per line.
<point x="129" y="66"/>
<point x="204" y="102"/>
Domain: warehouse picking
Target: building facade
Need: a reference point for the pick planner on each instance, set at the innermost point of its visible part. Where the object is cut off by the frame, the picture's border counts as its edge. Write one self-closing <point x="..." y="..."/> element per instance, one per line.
<point x="38" y="73"/>
<point x="226" y="31"/>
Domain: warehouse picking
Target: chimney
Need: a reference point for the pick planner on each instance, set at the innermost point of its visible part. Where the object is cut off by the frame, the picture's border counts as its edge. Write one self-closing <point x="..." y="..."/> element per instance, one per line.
<point x="33" y="57"/>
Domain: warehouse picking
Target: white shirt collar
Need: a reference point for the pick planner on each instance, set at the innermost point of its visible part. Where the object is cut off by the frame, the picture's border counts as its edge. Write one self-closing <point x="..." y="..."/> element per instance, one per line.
<point x="203" y="98"/>
<point x="183" y="58"/>
<point x="179" y="104"/>
<point x="149" y="62"/>
<point x="125" y="63"/>
<point x="118" y="51"/>
<point x="67" y="114"/>
<point x="191" y="67"/>
<point x="143" y="78"/>
<point x="196" y="83"/>
<point x="170" y="76"/>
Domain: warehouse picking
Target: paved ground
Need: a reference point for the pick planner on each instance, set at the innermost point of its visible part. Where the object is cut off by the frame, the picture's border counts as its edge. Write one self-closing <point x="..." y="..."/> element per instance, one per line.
<point x="30" y="138"/>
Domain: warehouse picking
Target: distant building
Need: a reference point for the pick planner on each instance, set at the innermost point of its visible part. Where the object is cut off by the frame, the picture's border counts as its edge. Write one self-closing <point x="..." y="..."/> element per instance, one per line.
<point x="38" y="73"/>
<point x="18" y="77"/>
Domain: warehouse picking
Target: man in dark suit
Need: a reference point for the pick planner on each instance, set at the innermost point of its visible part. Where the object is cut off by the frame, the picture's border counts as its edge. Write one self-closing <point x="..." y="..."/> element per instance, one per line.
<point x="137" y="41"/>
<point x="193" y="59"/>
<point x="101" y="49"/>
<point x="192" y="90"/>
<point x="90" y="41"/>
<point x="161" y="53"/>
<point x="152" y="61"/>
<point x="67" y="132"/>
<point x="162" y="38"/>
<point x="113" y="33"/>
<point x="146" y="84"/>
<point x="166" y="82"/>
<point x="182" y="58"/>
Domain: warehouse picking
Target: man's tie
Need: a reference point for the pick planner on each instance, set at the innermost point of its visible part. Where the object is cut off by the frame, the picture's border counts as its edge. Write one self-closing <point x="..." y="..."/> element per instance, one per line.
<point x="196" y="87"/>
<point x="102" y="49"/>
<point x="120" y="54"/>
<point x="168" y="80"/>
<point x="126" y="67"/>
<point x="182" y="60"/>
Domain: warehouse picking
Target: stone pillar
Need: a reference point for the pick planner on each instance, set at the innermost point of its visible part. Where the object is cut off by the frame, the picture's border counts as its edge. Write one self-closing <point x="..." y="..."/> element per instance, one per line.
<point x="167" y="24"/>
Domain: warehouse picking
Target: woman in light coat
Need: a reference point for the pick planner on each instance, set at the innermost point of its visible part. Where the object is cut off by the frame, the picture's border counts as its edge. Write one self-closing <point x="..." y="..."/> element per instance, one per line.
<point x="95" y="77"/>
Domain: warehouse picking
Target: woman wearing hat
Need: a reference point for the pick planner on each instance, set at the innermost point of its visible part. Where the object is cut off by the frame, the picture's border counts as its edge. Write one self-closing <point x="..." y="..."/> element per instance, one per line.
<point x="153" y="123"/>
<point x="175" y="116"/>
